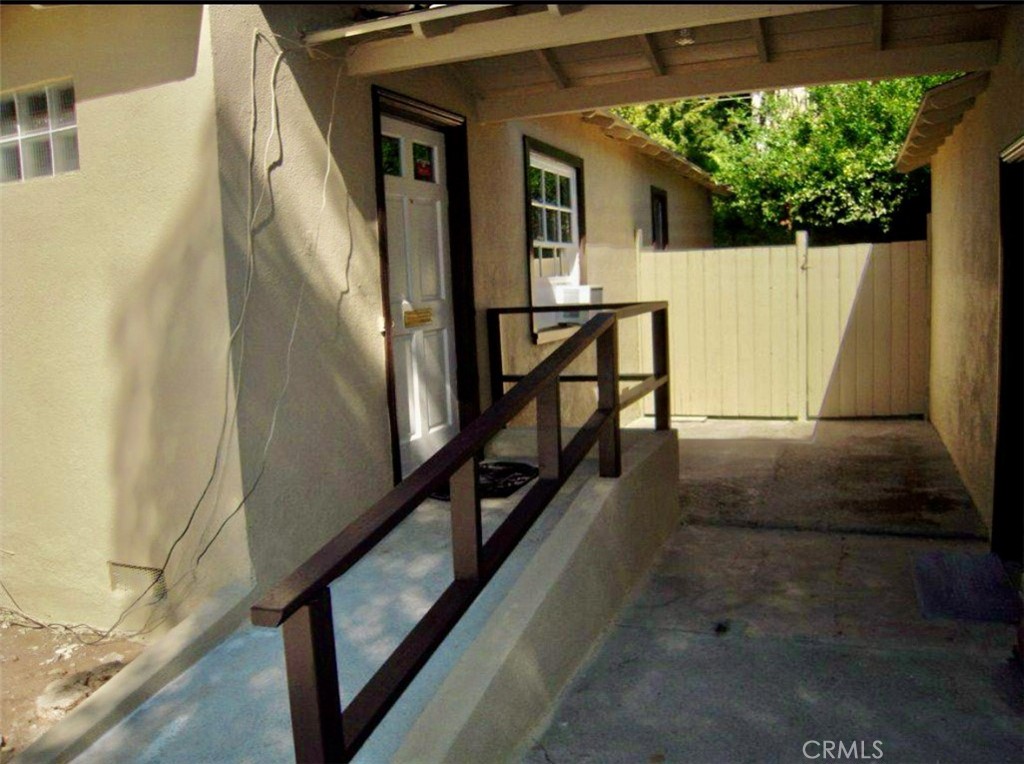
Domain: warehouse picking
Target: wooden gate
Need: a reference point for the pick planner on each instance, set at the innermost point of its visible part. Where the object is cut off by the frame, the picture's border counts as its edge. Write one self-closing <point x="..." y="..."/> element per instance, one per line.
<point x="792" y="331"/>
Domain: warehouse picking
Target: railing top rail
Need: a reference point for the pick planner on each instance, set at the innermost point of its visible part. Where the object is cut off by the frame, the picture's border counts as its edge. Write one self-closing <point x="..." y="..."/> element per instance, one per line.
<point x="621" y="309"/>
<point x="351" y="544"/>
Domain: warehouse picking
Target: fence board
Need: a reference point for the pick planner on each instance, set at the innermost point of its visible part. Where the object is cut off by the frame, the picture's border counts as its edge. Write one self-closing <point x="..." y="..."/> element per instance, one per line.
<point x="881" y="320"/>
<point x="919" y="302"/>
<point x="745" y="327"/>
<point x="900" y="351"/>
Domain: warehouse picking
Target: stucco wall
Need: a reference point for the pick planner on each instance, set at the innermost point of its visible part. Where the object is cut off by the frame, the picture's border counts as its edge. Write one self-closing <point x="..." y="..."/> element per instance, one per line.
<point x="114" y="319"/>
<point x="965" y="254"/>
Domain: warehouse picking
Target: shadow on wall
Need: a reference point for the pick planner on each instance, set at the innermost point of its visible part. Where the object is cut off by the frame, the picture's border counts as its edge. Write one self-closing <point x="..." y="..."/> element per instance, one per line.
<point x="867" y="325"/>
<point x="116" y="60"/>
<point x="170" y="342"/>
<point x="329" y="456"/>
<point x="311" y="447"/>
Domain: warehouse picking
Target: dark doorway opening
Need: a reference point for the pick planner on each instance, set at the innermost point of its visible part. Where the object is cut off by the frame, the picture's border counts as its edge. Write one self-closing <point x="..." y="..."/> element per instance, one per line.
<point x="1008" y="499"/>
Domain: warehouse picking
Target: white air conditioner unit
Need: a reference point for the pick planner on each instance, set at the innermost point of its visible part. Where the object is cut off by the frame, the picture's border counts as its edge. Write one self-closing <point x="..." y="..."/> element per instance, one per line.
<point x="576" y="294"/>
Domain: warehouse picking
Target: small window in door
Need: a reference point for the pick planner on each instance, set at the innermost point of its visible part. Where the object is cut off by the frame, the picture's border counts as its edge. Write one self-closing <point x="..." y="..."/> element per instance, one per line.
<point x="659" y="218"/>
<point x="423" y="162"/>
<point x="391" y="155"/>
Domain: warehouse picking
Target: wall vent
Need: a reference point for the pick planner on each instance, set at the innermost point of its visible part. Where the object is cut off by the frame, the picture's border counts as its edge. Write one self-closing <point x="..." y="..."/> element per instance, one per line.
<point x="130" y="581"/>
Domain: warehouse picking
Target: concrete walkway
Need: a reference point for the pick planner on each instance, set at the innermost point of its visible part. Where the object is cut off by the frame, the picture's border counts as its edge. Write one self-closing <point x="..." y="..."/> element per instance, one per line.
<point x="782" y="619"/>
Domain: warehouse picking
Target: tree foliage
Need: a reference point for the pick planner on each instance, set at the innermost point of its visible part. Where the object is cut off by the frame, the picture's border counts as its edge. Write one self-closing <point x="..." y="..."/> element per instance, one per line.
<point x="821" y="159"/>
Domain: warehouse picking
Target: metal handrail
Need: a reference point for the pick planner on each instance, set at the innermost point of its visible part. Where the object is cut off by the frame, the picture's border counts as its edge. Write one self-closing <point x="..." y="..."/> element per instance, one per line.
<point x="301" y="602"/>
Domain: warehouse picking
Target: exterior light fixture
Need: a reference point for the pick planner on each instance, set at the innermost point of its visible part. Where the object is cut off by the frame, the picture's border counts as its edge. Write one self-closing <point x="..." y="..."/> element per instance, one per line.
<point x="685" y="37"/>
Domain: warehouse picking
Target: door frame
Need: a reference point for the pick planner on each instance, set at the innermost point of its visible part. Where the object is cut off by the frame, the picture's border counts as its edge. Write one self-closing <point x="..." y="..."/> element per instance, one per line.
<point x="1007" y="520"/>
<point x="460" y="251"/>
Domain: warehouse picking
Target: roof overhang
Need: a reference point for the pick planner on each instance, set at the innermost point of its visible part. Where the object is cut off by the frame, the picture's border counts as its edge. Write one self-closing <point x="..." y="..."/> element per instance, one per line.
<point x="620" y="130"/>
<point x="517" y="61"/>
<point x="940" y="112"/>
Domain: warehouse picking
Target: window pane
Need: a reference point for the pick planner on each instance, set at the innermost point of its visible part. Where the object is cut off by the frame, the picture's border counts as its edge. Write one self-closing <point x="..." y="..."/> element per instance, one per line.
<point x="565" y="227"/>
<point x="8" y="117"/>
<point x="10" y="165"/>
<point x="62" y="106"/>
<point x="551" y="221"/>
<point x="564" y="196"/>
<point x="423" y="162"/>
<point x="38" y="159"/>
<point x="536" y="223"/>
<point x="391" y="155"/>
<point x="536" y="191"/>
<point x="32" y="111"/>
<point x="550" y="188"/>
<point x="65" y="150"/>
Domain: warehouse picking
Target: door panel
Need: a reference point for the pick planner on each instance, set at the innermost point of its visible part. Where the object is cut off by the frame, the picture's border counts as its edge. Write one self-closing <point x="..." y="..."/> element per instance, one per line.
<point x="420" y="298"/>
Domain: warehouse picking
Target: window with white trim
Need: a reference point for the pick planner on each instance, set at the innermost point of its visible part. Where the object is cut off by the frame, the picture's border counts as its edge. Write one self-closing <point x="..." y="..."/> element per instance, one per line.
<point x="554" y="217"/>
<point x="38" y="132"/>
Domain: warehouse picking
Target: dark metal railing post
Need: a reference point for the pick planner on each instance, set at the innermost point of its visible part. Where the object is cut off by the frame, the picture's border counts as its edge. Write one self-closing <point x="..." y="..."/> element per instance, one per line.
<point x="610" y="450"/>
<point x="496" y="363"/>
<point x="467" y="536"/>
<point x="549" y="430"/>
<point x="659" y="342"/>
<point x="313" y="690"/>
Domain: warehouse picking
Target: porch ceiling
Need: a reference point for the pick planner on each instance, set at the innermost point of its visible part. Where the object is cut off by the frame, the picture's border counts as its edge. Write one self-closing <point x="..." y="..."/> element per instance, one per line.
<point x="518" y="61"/>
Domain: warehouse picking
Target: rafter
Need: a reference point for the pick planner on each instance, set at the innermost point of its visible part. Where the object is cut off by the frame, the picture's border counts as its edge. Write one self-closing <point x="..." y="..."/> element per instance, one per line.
<point x="651" y="54"/>
<point x="757" y="27"/>
<point x="878" y="26"/>
<point x="547" y="60"/>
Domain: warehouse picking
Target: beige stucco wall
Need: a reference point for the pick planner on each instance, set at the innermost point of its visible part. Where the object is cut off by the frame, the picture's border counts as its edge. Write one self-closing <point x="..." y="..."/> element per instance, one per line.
<point x="965" y="253"/>
<point x="114" y="319"/>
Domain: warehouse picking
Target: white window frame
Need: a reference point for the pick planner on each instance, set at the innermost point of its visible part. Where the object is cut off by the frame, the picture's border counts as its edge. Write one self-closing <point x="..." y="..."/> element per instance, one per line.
<point x="566" y="258"/>
<point x="22" y="135"/>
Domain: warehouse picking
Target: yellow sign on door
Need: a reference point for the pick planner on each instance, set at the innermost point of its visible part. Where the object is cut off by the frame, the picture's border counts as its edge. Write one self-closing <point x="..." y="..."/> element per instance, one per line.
<point x="419" y="317"/>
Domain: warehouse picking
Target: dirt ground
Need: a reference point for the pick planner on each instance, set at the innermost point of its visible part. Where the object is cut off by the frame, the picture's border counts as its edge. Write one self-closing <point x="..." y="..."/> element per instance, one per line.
<point x="32" y="659"/>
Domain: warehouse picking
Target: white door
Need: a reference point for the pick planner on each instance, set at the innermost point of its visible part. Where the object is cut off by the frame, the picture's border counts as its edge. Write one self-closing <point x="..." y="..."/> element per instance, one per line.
<point x="419" y="267"/>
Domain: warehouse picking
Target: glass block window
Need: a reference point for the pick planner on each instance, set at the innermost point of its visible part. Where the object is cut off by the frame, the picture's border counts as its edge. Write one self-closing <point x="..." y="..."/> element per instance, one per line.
<point x="38" y="132"/>
<point x="554" y="215"/>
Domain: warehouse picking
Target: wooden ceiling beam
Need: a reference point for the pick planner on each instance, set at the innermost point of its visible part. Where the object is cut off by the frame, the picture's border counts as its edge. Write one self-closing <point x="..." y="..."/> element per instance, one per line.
<point x="651" y="54"/>
<point x="729" y="78"/>
<point x="533" y="31"/>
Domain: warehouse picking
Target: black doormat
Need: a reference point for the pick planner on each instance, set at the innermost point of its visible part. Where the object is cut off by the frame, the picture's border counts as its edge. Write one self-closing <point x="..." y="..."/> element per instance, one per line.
<point x="496" y="480"/>
<point x="965" y="587"/>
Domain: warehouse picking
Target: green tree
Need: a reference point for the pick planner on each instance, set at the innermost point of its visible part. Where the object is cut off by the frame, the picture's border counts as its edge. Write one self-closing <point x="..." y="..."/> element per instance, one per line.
<point x="822" y="161"/>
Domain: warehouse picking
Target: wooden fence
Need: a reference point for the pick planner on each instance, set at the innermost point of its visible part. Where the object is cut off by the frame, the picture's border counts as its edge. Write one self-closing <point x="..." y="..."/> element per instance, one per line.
<point x="794" y="331"/>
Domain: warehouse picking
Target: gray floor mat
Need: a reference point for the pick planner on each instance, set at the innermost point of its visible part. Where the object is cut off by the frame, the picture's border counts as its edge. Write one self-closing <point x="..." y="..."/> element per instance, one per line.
<point x="968" y="587"/>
